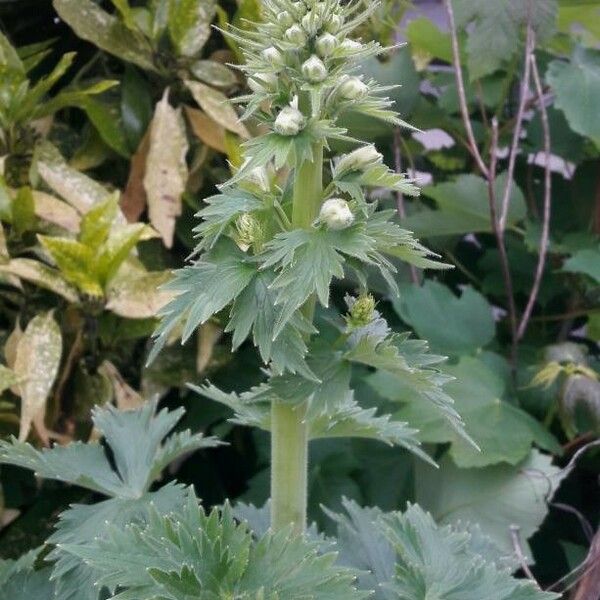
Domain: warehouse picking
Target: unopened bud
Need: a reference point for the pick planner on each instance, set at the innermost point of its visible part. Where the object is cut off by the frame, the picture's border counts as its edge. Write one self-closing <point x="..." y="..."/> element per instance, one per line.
<point x="260" y="178"/>
<point x="336" y="214"/>
<point x="289" y="121"/>
<point x="358" y="160"/>
<point x="296" y="35"/>
<point x="350" y="46"/>
<point x="334" y="23"/>
<point x="299" y="8"/>
<point x="273" y="56"/>
<point x="311" y="22"/>
<point x="326" y="44"/>
<point x="285" y="19"/>
<point x="314" y="70"/>
<point x="362" y="311"/>
<point x="260" y="82"/>
<point x="248" y="231"/>
<point x="353" y="89"/>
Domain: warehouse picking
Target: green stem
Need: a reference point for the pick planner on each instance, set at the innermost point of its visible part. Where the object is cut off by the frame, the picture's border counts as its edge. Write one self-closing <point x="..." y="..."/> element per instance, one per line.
<point x="289" y="431"/>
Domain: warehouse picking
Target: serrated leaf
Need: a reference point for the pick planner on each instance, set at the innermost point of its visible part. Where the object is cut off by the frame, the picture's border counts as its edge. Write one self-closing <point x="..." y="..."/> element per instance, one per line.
<point x="41" y="275"/>
<point x="166" y="169"/>
<point x="218" y="107"/>
<point x="92" y="23"/>
<point x="36" y="365"/>
<point x="189" y="24"/>
<point x="196" y="554"/>
<point x="495" y="497"/>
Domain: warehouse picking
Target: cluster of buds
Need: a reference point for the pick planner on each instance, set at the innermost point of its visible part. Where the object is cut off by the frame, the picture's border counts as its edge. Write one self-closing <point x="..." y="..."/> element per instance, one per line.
<point x="289" y="121"/>
<point x="362" y="311"/>
<point x="336" y="214"/>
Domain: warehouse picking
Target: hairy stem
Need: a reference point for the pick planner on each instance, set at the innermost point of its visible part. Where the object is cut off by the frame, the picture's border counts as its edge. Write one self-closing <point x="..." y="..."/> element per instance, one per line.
<point x="289" y="431"/>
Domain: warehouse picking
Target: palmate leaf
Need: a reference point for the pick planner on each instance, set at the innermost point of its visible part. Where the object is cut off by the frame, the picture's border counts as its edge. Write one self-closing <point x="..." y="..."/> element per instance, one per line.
<point x="198" y="555"/>
<point x="136" y="465"/>
<point x="406" y="556"/>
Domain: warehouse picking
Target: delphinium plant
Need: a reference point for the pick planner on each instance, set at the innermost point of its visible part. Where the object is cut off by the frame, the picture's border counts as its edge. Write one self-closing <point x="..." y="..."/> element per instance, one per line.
<point x="293" y="218"/>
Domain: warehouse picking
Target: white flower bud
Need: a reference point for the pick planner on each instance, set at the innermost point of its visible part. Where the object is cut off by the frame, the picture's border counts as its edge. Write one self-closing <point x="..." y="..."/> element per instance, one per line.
<point x="310" y="23"/>
<point x="285" y="19"/>
<point x="260" y="178"/>
<point x="289" y="121"/>
<point x="358" y="160"/>
<point x="353" y="89"/>
<point x="334" y="24"/>
<point x="273" y="56"/>
<point x="326" y="44"/>
<point x="260" y="82"/>
<point x="296" y="35"/>
<point x="350" y="46"/>
<point x="248" y="231"/>
<point x="299" y="8"/>
<point x="314" y="70"/>
<point x="336" y="214"/>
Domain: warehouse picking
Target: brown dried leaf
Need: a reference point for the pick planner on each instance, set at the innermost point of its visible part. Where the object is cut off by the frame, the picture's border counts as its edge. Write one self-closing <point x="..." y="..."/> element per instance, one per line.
<point x="134" y="199"/>
<point x="206" y="130"/>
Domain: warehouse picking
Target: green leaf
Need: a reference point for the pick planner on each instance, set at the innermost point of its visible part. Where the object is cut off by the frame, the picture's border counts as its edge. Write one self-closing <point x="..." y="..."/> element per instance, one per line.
<point x="105" y="118"/>
<point x="36" y="365"/>
<point x="495" y="33"/>
<point x="427" y="41"/>
<point x="495" y="497"/>
<point x="135" y="466"/>
<point x="452" y="325"/>
<point x="576" y="85"/>
<point x="203" y="289"/>
<point x="41" y="275"/>
<point x="23" y="211"/>
<point x="97" y="222"/>
<point x="121" y="241"/>
<point x="194" y="554"/>
<point x="9" y="57"/>
<point x="585" y="261"/>
<point x="166" y="170"/>
<point x="77" y="189"/>
<point x="463" y="207"/>
<point x="439" y="561"/>
<point x="93" y="24"/>
<point x="503" y="432"/>
<point x="24" y="583"/>
<point x="189" y="24"/>
<point x="136" y="106"/>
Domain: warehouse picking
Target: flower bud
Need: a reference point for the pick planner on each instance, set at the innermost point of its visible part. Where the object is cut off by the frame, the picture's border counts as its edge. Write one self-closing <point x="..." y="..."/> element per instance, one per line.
<point x="260" y="82"/>
<point x="336" y="214"/>
<point x="290" y="121"/>
<point x="273" y="56"/>
<point x="362" y="311"/>
<point x="314" y="70"/>
<point x="248" y="231"/>
<point x="285" y="19"/>
<point x="334" y="23"/>
<point x="326" y="44"/>
<point x="299" y="8"/>
<point x="350" y="46"/>
<point x="296" y="35"/>
<point x="260" y="178"/>
<point x="353" y="89"/>
<point x="310" y="23"/>
<point x="358" y="160"/>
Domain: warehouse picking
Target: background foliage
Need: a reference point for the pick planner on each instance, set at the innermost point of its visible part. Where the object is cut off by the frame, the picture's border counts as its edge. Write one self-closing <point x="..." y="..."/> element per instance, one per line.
<point x="101" y="97"/>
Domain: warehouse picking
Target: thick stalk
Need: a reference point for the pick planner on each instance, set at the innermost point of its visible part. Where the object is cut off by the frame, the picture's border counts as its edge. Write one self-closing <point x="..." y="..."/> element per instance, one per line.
<point x="289" y="432"/>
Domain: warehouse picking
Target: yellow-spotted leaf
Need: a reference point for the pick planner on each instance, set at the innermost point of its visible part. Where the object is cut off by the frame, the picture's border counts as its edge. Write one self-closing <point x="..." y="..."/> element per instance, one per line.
<point x="166" y="170"/>
<point x="139" y="297"/>
<point x="55" y="211"/>
<point x="97" y="222"/>
<point x="42" y="275"/>
<point x="36" y="365"/>
<point x="75" y="261"/>
<point x="116" y="250"/>
<point x="218" y="106"/>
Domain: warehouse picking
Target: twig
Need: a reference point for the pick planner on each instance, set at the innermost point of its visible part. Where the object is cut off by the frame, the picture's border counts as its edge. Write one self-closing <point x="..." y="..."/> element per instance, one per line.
<point x="514" y="150"/>
<point x="547" y="203"/>
<point x="515" y="530"/>
<point x="462" y="96"/>
<point x="589" y="583"/>
<point x="414" y="276"/>
<point x="586" y="526"/>
<point x="499" y="234"/>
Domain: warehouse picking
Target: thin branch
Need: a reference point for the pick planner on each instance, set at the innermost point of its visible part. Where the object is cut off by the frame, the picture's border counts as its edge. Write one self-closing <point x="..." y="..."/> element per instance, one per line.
<point x="499" y="234"/>
<point x="544" y="241"/>
<point x="515" y="537"/>
<point x="514" y="149"/>
<point x="462" y="96"/>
